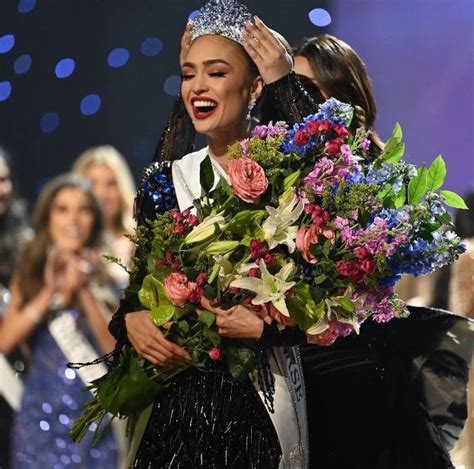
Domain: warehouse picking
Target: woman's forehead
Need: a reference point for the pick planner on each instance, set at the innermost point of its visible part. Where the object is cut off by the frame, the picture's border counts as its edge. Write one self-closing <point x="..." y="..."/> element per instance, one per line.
<point x="212" y="47"/>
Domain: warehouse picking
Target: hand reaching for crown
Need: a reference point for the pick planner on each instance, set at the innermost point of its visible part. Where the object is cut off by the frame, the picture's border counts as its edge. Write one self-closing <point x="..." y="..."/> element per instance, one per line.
<point x="267" y="51"/>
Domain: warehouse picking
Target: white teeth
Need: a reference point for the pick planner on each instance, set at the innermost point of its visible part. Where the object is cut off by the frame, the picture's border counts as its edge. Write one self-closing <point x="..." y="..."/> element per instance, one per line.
<point x="204" y="104"/>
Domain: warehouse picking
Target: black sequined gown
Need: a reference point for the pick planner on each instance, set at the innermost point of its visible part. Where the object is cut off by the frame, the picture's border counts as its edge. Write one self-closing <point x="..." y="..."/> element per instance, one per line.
<point x="208" y="420"/>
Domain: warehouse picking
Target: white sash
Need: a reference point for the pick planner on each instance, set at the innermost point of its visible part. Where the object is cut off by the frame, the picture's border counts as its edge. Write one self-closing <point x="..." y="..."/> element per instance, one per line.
<point x="75" y="346"/>
<point x="10" y="386"/>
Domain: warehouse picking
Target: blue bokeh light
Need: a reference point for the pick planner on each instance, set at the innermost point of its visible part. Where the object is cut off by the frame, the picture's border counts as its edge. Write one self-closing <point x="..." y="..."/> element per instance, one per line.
<point x="25" y="6"/>
<point x="320" y="17"/>
<point x="6" y="43"/>
<point x="65" y="68"/>
<point x="193" y="14"/>
<point x="90" y="104"/>
<point x="22" y="64"/>
<point x="172" y="85"/>
<point x="49" y="122"/>
<point x="5" y="90"/>
<point x="118" y="57"/>
<point x="151" y="46"/>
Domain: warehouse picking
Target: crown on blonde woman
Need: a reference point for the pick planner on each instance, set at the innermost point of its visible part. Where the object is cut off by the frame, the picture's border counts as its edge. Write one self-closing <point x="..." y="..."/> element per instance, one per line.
<point x="222" y="17"/>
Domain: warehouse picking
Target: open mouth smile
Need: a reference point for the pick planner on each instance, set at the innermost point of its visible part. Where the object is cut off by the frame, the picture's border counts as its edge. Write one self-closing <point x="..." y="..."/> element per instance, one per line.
<point x="203" y="107"/>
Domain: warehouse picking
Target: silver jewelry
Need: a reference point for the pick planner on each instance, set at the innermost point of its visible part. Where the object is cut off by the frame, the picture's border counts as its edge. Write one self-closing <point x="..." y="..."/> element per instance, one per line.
<point x="250" y="106"/>
<point x="221" y="17"/>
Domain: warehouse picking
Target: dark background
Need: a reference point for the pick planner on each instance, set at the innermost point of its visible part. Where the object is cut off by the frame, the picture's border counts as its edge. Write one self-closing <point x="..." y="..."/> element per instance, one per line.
<point x="418" y="52"/>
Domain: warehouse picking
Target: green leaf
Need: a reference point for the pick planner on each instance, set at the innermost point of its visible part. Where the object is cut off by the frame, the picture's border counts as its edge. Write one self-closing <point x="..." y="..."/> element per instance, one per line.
<point x="400" y="199"/>
<point x="213" y="336"/>
<point x="153" y="296"/>
<point x="397" y="132"/>
<point x="291" y="180"/>
<point x="303" y="309"/>
<point x="347" y="304"/>
<point x="206" y="175"/>
<point x="436" y="173"/>
<point x="207" y="318"/>
<point x="240" y="361"/>
<point x="127" y="389"/>
<point x="320" y="279"/>
<point x="417" y="187"/>
<point x="453" y="200"/>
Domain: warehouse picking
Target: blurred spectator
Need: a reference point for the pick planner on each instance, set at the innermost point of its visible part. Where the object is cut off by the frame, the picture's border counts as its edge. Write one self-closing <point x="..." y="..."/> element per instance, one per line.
<point x="60" y="295"/>
<point x="14" y="229"/>
<point x="113" y="186"/>
<point x="14" y="233"/>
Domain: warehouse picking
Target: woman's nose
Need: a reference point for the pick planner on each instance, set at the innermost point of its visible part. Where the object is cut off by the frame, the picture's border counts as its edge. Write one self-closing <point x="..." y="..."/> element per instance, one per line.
<point x="200" y="84"/>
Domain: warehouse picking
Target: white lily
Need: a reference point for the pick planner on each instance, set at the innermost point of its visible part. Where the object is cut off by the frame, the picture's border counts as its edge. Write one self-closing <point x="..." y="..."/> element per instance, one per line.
<point x="206" y="229"/>
<point x="269" y="288"/>
<point x="278" y="226"/>
<point x="224" y="269"/>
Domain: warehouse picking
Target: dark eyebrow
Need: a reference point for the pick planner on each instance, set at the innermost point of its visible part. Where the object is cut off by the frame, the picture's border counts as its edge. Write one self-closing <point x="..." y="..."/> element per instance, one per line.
<point x="208" y="62"/>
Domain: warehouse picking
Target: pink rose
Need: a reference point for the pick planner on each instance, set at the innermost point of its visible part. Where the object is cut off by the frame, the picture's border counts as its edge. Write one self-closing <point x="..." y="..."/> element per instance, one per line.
<point x="275" y="314"/>
<point x="305" y="238"/>
<point x="215" y="353"/>
<point x="178" y="289"/>
<point x="247" y="179"/>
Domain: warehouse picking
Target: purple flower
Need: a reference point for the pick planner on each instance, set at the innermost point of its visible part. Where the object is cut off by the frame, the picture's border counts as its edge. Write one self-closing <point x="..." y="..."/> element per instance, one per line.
<point x="365" y="144"/>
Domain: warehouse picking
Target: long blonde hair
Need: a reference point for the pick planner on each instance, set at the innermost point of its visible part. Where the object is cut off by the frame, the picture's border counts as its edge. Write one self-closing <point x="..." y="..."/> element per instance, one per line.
<point x="109" y="156"/>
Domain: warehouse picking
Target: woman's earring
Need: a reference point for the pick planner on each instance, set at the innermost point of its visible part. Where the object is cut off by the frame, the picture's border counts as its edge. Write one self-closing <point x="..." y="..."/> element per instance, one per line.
<point x="250" y="106"/>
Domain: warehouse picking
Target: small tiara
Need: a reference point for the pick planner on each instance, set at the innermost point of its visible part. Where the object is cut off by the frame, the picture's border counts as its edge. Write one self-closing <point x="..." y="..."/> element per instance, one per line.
<point x="222" y="17"/>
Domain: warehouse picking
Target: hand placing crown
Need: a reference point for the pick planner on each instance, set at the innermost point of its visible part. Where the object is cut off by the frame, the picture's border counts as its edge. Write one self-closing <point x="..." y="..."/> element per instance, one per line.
<point x="232" y="20"/>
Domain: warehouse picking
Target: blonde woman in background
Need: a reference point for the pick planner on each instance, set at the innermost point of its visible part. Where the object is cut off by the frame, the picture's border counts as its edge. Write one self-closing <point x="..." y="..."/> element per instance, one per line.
<point x="113" y="185"/>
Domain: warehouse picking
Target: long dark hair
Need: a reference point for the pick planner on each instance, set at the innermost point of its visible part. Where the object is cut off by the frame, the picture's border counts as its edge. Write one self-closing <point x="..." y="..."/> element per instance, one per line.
<point x="341" y="73"/>
<point x="29" y="274"/>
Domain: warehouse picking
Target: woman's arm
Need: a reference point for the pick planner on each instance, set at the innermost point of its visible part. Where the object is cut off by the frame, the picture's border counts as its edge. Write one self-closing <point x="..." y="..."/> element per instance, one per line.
<point x="20" y="321"/>
<point x="97" y="315"/>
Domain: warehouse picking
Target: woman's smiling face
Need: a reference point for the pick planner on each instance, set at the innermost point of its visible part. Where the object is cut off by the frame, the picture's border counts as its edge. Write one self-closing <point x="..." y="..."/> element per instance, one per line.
<point x="217" y="85"/>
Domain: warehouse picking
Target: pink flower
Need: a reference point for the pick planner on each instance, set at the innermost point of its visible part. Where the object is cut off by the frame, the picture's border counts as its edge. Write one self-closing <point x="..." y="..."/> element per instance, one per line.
<point x="178" y="289"/>
<point x="305" y="238"/>
<point x="215" y="353"/>
<point x="368" y="266"/>
<point x="247" y="179"/>
<point x="275" y="314"/>
<point x="201" y="279"/>
<point x="193" y="220"/>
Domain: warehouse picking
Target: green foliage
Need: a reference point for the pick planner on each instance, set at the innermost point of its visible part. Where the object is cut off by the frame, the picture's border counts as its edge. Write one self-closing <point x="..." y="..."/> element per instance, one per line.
<point x="418" y="186"/>
<point x="436" y="174"/>
<point x="394" y="147"/>
<point x="453" y="200"/>
<point x="206" y="175"/>
<point x="348" y="198"/>
<point x="240" y="360"/>
<point x="152" y="296"/>
<point x="267" y="154"/>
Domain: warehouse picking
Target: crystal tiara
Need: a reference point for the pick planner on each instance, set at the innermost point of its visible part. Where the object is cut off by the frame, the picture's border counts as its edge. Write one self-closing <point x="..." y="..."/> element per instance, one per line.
<point x="222" y="17"/>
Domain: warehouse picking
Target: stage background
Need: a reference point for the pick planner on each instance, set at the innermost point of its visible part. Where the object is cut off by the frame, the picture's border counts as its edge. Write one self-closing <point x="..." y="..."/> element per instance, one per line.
<point x="419" y="54"/>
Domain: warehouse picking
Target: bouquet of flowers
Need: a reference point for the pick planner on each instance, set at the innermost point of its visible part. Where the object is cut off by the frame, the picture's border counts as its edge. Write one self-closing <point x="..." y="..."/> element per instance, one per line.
<point x="301" y="232"/>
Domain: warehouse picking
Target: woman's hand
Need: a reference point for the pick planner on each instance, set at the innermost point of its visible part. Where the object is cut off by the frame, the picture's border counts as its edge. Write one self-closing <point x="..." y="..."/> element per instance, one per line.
<point x="185" y="42"/>
<point x="237" y="322"/>
<point x="149" y="342"/>
<point x="268" y="53"/>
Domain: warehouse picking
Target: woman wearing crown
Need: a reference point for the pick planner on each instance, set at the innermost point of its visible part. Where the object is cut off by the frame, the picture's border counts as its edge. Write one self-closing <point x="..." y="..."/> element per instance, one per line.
<point x="207" y="419"/>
